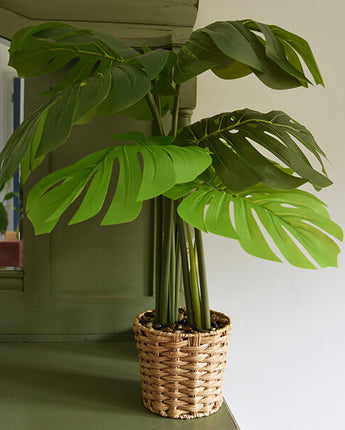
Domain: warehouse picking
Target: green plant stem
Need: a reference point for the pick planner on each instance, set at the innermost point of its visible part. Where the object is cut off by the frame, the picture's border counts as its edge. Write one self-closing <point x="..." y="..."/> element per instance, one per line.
<point x="158" y="104"/>
<point x="194" y="281"/>
<point x="155" y="112"/>
<point x="174" y="276"/>
<point x="205" y="307"/>
<point x="167" y="275"/>
<point x="185" y="269"/>
<point x="177" y="277"/>
<point x="164" y="291"/>
<point x="157" y="251"/>
<point x="175" y="112"/>
<point x="172" y="289"/>
<point x="161" y="301"/>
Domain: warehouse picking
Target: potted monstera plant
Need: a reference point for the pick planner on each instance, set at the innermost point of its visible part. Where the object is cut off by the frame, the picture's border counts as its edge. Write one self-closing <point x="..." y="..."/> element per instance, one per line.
<point x="237" y="174"/>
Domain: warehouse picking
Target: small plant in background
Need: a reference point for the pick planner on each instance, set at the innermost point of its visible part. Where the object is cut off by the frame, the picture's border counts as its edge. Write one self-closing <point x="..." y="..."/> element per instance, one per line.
<point x="5" y="205"/>
<point x="211" y="176"/>
<point x="3" y="212"/>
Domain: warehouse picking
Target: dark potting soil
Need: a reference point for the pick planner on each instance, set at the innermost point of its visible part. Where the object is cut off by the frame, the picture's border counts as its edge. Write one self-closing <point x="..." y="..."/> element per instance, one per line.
<point x="148" y="319"/>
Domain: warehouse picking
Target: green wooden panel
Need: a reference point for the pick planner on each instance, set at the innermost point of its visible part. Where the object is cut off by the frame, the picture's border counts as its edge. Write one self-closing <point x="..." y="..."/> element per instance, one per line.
<point x="82" y="387"/>
<point x="155" y="22"/>
<point x="82" y="279"/>
<point x="149" y="12"/>
<point x="11" y="281"/>
<point x="93" y="260"/>
<point x="111" y="261"/>
<point x="87" y="282"/>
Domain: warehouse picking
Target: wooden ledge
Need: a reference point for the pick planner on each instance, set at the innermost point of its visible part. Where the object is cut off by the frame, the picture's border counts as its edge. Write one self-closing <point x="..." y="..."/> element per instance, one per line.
<point x="82" y="386"/>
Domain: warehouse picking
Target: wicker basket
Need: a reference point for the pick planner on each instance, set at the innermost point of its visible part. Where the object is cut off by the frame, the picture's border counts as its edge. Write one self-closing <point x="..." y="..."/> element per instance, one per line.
<point x="182" y="374"/>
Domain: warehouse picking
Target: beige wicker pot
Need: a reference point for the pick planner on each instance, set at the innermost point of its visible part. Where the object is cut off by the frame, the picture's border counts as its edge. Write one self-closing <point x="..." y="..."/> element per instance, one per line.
<point x="182" y="374"/>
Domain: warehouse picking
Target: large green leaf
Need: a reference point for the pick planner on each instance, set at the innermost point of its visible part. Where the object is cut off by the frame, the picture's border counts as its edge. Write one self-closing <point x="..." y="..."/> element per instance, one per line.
<point x="128" y="86"/>
<point x="294" y="46"/>
<point x="3" y="219"/>
<point x="233" y="139"/>
<point x="232" y="49"/>
<point x="103" y="77"/>
<point x="18" y="145"/>
<point x="152" y="62"/>
<point x="164" y="165"/>
<point x="217" y="45"/>
<point x="50" y="126"/>
<point x="51" y="46"/>
<point x="296" y="221"/>
<point x="162" y="88"/>
<point x="131" y="82"/>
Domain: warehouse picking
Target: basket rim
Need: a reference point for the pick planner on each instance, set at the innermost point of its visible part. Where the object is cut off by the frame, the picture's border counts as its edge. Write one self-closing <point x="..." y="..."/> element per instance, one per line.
<point x="212" y="333"/>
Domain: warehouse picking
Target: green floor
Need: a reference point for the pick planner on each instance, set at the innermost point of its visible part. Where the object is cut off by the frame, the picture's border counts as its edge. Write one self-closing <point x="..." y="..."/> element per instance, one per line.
<point x="61" y="386"/>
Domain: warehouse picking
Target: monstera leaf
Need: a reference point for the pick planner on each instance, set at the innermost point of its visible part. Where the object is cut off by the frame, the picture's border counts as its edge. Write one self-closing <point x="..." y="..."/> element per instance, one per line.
<point x="296" y="221"/>
<point x="164" y="165"/>
<point x="50" y="126"/>
<point x="163" y="89"/>
<point x="52" y="46"/>
<point x="3" y="219"/>
<point x="233" y="138"/>
<point x="103" y="77"/>
<point x="233" y="49"/>
<point x="78" y="54"/>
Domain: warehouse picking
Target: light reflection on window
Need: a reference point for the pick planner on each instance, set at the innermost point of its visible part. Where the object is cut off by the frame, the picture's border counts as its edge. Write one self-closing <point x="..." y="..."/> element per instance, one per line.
<point x="11" y="113"/>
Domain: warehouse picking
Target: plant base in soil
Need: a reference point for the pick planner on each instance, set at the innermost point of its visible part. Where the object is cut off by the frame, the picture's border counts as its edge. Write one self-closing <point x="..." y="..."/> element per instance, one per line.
<point x="148" y="320"/>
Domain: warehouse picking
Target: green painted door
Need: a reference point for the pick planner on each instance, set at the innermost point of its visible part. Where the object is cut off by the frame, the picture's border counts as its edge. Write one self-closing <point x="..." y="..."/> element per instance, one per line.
<point x="86" y="281"/>
<point x="81" y="279"/>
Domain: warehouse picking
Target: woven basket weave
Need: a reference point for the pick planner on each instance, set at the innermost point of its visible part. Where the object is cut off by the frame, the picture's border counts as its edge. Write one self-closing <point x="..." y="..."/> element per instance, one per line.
<point x="182" y="374"/>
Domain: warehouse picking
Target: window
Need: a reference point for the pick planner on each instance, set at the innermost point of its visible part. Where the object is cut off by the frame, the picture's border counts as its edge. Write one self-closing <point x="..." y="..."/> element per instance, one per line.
<point x="11" y="113"/>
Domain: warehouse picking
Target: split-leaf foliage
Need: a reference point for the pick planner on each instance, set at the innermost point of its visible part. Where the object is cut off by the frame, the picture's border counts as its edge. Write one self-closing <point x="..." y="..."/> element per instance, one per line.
<point x="237" y="174"/>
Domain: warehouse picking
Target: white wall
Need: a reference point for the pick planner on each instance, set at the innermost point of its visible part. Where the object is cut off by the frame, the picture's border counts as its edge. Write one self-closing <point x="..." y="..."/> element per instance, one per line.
<point x="287" y="354"/>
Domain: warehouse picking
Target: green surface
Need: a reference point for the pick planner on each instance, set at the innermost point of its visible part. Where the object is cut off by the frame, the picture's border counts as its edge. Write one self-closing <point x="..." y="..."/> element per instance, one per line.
<point x="59" y="386"/>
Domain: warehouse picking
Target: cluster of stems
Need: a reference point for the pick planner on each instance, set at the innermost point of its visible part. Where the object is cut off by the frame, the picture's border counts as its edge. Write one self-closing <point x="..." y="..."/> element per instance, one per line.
<point x="178" y="253"/>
